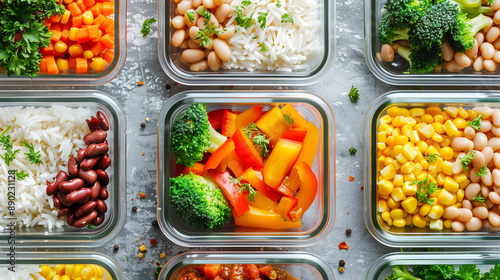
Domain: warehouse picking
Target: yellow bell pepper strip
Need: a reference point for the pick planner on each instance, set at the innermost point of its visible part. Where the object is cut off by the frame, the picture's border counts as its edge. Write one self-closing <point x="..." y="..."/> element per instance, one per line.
<point x="272" y="124"/>
<point x="308" y="153"/>
<point x="298" y="120"/>
<point x="246" y="151"/>
<point x="259" y="218"/>
<point x="198" y="169"/>
<point x="307" y="192"/>
<point x="228" y="123"/>
<point x="286" y="204"/>
<point x="215" y="118"/>
<point x="280" y="161"/>
<point x="234" y="164"/>
<point x="295" y="135"/>
<point x="249" y="116"/>
<point x="220" y="154"/>
<point x="254" y="178"/>
<point x="231" y="191"/>
<point x="263" y="202"/>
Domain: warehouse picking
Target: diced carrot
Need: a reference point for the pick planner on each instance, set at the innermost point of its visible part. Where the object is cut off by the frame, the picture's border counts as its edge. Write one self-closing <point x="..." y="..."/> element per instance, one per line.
<point x="65" y="35"/>
<point x="52" y="66"/>
<point x="55" y="19"/>
<point x="81" y="65"/>
<point x="56" y="27"/>
<point x="110" y="30"/>
<point x="93" y="32"/>
<point x="108" y="8"/>
<point x="72" y="62"/>
<point x="107" y="23"/>
<point x="108" y="55"/>
<point x="56" y="36"/>
<point x="49" y="50"/>
<point x="82" y="35"/>
<point x="58" y="54"/>
<point x="74" y="9"/>
<point x="77" y="21"/>
<point x="99" y="20"/>
<point x="43" y="64"/>
<point x="107" y="40"/>
<point x="66" y="26"/>
<point x="89" y="2"/>
<point x="98" y="48"/>
<point x="99" y="1"/>
<point x="47" y="22"/>
<point x="96" y="9"/>
<point x="81" y="5"/>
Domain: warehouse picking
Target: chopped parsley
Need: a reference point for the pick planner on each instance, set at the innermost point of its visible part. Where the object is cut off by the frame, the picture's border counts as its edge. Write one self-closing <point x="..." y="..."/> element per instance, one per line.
<point x="483" y="171"/>
<point x="258" y="138"/>
<point x="206" y="15"/>
<point x="262" y="19"/>
<point x="191" y="15"/>
<point x="203" y="37"/>
<point x="431" y="157"/>
<point x="476" y="123"/>
<point x="90" y="226"/>
<point x="6" y="142"/>
<point x="467" y="159"/>
<point x="250" y="130"/>
<point x="426" y="188"/>
<point x="354" y="95"/>
<point x="490" y="2"/>
<point x="246" y="3"/>
<point x="32" y="156"/>
<point x="146" y="26"/>
<point x="242" y="20"/>
<point x="264" y="47"/>
<point x="21" y="175"/>
<point x="244" y="187"/>
<point x="288" y="119"/>
<point x="286" y="18"/>
<point x="478" y="198"/>
<point x="278" y="3"/>
<point x="352" y="151"/>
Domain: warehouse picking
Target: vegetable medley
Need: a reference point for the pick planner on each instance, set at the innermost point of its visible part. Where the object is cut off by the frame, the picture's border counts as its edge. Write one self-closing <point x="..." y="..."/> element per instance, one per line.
<point x="442" y="272"/>
<point x="255" y="165"/>
<point x="234" y="271"/>
<point x="70" y="272"/>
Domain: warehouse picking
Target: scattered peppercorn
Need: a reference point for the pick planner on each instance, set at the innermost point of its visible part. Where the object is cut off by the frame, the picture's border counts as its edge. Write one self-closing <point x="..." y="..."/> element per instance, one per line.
<point x="143" y="125"/>
<point x="155" y="223"/>
<point x="117" y="247"/>
<point x="341" y="269"/>
<point x="341" y="262"/>
<point x="168" y="86"/>
<point x="140" y="83"/>
<point x="153" y="241"/>
<point x="163" y="255"/>
<point x="362" y="187"/>
<point x="348" y="231"/>
<point x="140" y="255"/>
<point x="134" y="209"/>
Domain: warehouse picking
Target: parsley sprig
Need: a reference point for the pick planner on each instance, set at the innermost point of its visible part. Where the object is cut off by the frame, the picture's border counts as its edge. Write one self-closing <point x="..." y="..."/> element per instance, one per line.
<point x="478" y="198"/>
<point x="278" y="3"/>
<point x="286" y="18"/>
<point x="241" y="20"/>
<point x="354" y="95"/>
<point x="431" y="157"/>
<point x="352" y="151"/>
<point x="244" y="187"/>
<point x="32" y="156"/>
<point x="467" y="159"/>
<point x="264" y="47"/>
<point x="21" y="175"/>
<point x="146" y="26"/>
<point x="6" y="142"/>
<point x="426" y="188"/>
<point x="483" y="171"/>
<point x="476" y="123"/>
<point x="288" y="119"/>
<point x="262" y="19"/>
<point x="258" y="138"/>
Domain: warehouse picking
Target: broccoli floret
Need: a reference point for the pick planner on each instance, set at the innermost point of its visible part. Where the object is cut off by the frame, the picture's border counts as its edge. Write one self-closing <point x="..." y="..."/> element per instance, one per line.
<point x="198" y="202"/>
<point x="461" y="35"/>
<point x="192" y="135"/>
<point x="387" y="31"/>
<point x="400" y="16"/>
<point x="471" y="7"/>
<point x="421" y="60"/>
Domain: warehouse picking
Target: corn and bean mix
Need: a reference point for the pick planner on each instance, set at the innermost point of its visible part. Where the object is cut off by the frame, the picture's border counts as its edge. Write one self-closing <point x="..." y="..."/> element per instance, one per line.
<point x="439" y="168"/>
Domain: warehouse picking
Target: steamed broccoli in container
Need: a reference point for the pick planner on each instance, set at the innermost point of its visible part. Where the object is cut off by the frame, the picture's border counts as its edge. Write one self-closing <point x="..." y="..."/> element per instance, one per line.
<point x="426" y="25"/>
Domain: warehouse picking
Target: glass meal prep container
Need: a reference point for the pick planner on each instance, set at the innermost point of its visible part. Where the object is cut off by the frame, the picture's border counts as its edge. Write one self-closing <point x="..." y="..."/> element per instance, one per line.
<point x="68" y="236"/>
<point x="111" y="269"/>
<point x="373" y="11"/>
<point x="316" y="222"/>
<point x="414" y="236"/>
<point x="382" y="267"/>
<point x="301" y="265"/>
<point x="90" y="78"/>
<point x="319" y="65"/>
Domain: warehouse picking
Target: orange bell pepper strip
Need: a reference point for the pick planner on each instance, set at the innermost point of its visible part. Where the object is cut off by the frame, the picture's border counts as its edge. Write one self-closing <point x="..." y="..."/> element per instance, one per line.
<point x="254" y="178"/>
<point x="231" y="191"/>
<point x="273" y="124"/>
<point x="220" y="154"/>
<point x="308" y="153"/>
<point x="246" y="151"/>
<point x="215" y="118"/>
<point x="297" y="120"/>
<point x="284" y="190"/>
<point x="286" y="204"/>
<point x="198" y="169"/>
<point x="228" y="123"/>
<point x="263" y="202"/>
<point x="249" y="116"/>
<point x="295" y="135"/>
<point x="234" y="164"/>
<point x="280" y="161"/>
<point x="212" y="271"/>
<point x="259" y="218"/>
<point x="307" y="192"/>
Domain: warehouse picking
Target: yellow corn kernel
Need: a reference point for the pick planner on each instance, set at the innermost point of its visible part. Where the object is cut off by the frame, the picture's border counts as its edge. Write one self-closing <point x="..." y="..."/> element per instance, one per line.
<point x="418" y="221"/>
<point x="396" y="164"/>
<point x="79" y="278"/>
<point x="65" y="17"/>
<point x="446" y="153"/>
<point x="409" y="204"/>
<point x="380" y="146"/>
<point x="439" y="119"/>
<point x="424" y="210"/>
<point x="88" y="272"/>
<point x="450" y="185"/>
<point x="382" y="205"/>
<point x="402" y="159"/>
<point x="452" y="111"/>
<point x="447" y="223"/>
<point x="447" y="168"/>
<point x="60" y="47"/>
<point x="431" y="150"/>
<point x="407" y="167"/>
<point x="59" y="268"/>
<point x="388" y="172"/>
<point x="45" y="270"/>
<point x="472" y="115"/>
<point x="440" y="179"/>
<point x="51" y="275"/>
<point x="414" y="137"/>
<point x="422" y="175"/>
<point x="380" y="163"/>
<point x="408" y="219"/>
<point x="436" y="145"/>
<point x="409" y="189"/>
<point x="435" y="166"/>
<point x="459" y="178"/>
<point x="88" y="54"/>
<point x="460" y="123"/>
<point x="384" y="196"/>
<point x="400" y="140"/>
<point x="398" y="180"/>
<point x="56" y="277"/>
<point x="386" y="215"/>
<point x="392" y="203"/>
<point x="399" y="121"/>
<point x="419" y="155"/>
<point x="399" y="222"/>
<point x="397" y="149"/>
<point x="464" y="184"/>
<point x="462" y="113"/>
<point x="405" y="112"/>
<point x="460" y="133"/>
<point x="411" y="121"/>
<point x="381" y="137"/>
<point x="388" y="160"/>
<point x="417" y="169"/>
<point x="424" y="164"/>
<point x="72" y="33"/>
<point x="426" y="118"/>
<point x="406" y="130"/>
<point x="446" y="140"/>
<point x="460" y="195"/>
<point x="436" y="225"/>
<point x="385" y="119"/>
<point x="140" y="255"/>
<point x="438" y="127"/>
<point x="98" y="270"/>
<point x="427" y="131"/>
<point x="62" y="64"/>
<point x="397" y="194"/>
<point x="445" y="197"/>
<point x="68" y="270"/>
<point x="77" y="271"/>
<point x="390" y="141"/>
<point x="409" y="152"/>
<point x="436" y="212"/>
<point x="397" y="214"/>
<point x="88" y="17"/>
<point x="417" y="112"/>
<point x="409" y="177"/>
<point x="65" y="277"/>
<point x="396" y="131"/>
<point x="450" y="128"/>
<point x="437" y="138"/>
<point x="394" y="111"/>
<point x="98" y="64"/>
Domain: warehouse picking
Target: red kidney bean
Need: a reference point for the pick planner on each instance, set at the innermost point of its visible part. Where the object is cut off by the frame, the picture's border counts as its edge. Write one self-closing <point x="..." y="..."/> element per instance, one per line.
<point x="104" y="193"/>
<point x="70" y="219"/>
<point x="105" y="142"/>
<point x="95" y="137"/>
<point x="72" y="167"/>
<point x="79" y="195"/>
<point x="89" y="163"/>
<point x="63" y="212"/>
<point x="80" y="156"/>
<point x="52" y="187"/>
<point x="89" y="176"/>
<point x="73" y="185"/>
<point x="104" y="121"/>
<point x="85" y="200"/>
<point x="101" y="206"/>
<point x="57" y="202"/>
<point x="96" y="190"/>
<point x="102" y="176"/>
<point x="85" y="220"/>
<point x="85" y="208"/>
<point x="94" y="124"/>
<point x="95" y="150"/>
<point x="103" y="163"/>
<point x="106" y="155"/>
<point x="64" y="199"/>
<point x="98" y="221"/>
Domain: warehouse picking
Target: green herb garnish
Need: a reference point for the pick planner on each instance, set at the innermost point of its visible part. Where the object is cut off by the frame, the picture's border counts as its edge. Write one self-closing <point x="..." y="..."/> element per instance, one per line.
<point x="479" y="198"/>
<point x="352" y="151"/>
<point x="262" y="19"/>
<point x="483" y="171"/>
<point x="278" y="3"/>
<point x="431" y="157"/>
<point x="288" y="119"/>
<point x="244" y="187"/>
<point x="203" y="37"/>
<point x="476" y="123"/>
<point x="354" y="95"/>
<point x="467" y="159"/>
<point x="258" y="138"/>
<point x="286" y="18"/>
<point x="490" y="2"/>
<point x="264" y="47"/>
<point x="246" y="3"/>
<point x="32" y="156"/>
<point x="426" y="188"/>
<point x="242" y="20"/>
<point x="250" y="130"/>
<point x="21" y="175"/>
<point x="5" y="139"/>
<point x="146" y="26"/>
<point x="191" y="15"/>
<point x="90" y="226"/>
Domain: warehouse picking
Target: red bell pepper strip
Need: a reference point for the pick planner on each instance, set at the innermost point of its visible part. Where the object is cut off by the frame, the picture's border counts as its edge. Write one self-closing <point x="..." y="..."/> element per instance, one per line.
<point x="307" y="191"/>
<point x="198" y="169"/>
<point x="249" y="116"/>
<point x="234" y="164"/>
<point x="246" y="151"/>
<point x="254" y="178"/>
<point x="215" y="118"/>
<point x="231" y="191"/>
<point x="286" y="204"/>
<point x="220" y="154"/>
<point x="228" y="123"/>
<point x="295" y="135"/>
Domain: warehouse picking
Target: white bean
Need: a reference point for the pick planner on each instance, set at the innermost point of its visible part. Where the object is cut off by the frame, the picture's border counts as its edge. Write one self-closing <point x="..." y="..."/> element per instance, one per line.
<point x="474" y="224"/>
<point x="222" y="49"/>
<point x="481" y="212"/>
<point x="485" y="111"/>
<point x="496" y="160"/>
<point x="457" y="226"/>
<point x="227" y="33"/>
<point x="495" y="174"/>
<point x="480" y="141"/>
<point x="222" y="12"/>
<point x="450" y="213"/>
<point x="485" y="126"/>
<point x="493" y="218"/>
<point x="199" y="66"/>
<point x="178" y="22"/>
<point x="478" y="160"/>
<point x="192" y="55"/>
<point x="472" y="190"/>
<point x="457" y="165"/>
<point x="488" y="154"/>
<point x="178" y="37"/>
<point x="464" y="215"/>
<point x="494" y="143"/>
<point x="485" y="191"/>
<point x="183" y="6"/>
<point x="495" y="130"/>
<point x="473" y="176"/>
<point x="469" y="132"/>
<point x="459" y="143"/>
<point x="213" y="61"/>
<point x="494" y="197"/>
<point x="487" y="179"/>
<point x="466" y="204"/>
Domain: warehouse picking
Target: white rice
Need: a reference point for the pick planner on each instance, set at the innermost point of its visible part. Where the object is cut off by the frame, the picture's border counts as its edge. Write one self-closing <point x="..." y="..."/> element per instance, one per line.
<point x="24" y="272"/>
<point x="57" y="132"/>
<point x="289" y="46"/>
